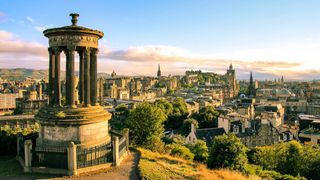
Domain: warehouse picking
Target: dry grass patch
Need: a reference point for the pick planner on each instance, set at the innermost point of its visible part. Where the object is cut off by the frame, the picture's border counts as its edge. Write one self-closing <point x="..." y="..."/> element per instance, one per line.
<point x="160" y="166"/>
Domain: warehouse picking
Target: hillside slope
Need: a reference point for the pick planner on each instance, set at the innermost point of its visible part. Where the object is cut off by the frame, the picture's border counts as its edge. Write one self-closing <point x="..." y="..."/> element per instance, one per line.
<point x="158" y="166"/>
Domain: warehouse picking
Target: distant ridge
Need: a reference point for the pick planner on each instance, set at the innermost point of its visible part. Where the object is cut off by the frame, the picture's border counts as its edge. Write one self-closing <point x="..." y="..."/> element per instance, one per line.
<point x="18" y="74"/>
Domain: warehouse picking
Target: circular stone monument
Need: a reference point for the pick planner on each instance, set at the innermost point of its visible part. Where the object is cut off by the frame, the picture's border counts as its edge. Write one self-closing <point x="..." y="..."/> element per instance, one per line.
<point x="86" y="123"/>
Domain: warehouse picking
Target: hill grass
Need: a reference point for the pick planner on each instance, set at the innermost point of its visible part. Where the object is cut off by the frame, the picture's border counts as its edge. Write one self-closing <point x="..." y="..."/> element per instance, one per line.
<point x="159" y="166"/>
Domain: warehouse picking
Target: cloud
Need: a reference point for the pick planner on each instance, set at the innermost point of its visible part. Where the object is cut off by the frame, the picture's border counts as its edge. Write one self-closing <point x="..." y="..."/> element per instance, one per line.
<point x="143" y="60"/>
<point x="11" y="45"/>
<point x="182" y="59"/>
<point x="30" y="19"/>
<point x="3" y="17"/>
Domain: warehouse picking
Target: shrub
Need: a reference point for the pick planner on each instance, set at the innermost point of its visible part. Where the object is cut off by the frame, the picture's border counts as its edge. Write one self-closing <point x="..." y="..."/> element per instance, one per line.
<point x="182" y="151"/>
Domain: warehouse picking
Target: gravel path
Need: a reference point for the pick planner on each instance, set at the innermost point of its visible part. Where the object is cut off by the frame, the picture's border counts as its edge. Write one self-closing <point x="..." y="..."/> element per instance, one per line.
<point x="127" y="170"/>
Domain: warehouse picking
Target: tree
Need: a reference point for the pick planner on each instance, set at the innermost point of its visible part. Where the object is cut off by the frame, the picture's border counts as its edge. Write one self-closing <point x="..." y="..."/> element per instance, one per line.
<point x="122" y="108"/>
<point x="145" y="124"/>
<point x="200" y="151"/>
<point x="227" y="152"/>
<point x="208" y="117"/>
<point x="289" y="156"/>
<point x="179" y="113"/>
<point x="186" y="127"/>
<point x="165" y="105"/>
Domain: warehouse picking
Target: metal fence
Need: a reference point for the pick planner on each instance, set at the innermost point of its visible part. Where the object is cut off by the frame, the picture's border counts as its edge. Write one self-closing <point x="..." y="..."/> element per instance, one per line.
<point x="93" y="156"/>
<point x="56" y="157"/>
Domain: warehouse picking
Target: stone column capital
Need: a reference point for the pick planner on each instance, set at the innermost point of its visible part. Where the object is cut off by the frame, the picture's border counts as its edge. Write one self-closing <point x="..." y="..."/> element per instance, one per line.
<point x="71" y="48"/>
<point x="94" y="51"/>
<point x="87" y="50"/>
<point x="56" y="50"/>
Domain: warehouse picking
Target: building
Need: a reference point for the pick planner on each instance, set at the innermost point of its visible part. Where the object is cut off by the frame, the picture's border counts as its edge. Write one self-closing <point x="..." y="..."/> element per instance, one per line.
<point x="30" y="103"/>
<point x="8" y="101"/>
<point x="207" y="135"/>
<point x="309" y="130"/>
<point x="159" y="71"/>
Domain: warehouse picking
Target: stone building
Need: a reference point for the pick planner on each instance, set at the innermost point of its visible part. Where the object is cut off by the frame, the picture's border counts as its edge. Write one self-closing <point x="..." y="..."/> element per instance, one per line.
<point x="30" y="103"/>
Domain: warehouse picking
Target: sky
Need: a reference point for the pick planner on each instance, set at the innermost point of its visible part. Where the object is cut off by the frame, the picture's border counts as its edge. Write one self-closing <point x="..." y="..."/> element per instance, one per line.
<point x="271" y="38"/>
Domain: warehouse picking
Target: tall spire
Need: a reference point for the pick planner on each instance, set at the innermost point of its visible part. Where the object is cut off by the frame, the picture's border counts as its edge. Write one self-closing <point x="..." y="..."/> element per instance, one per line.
<point x="230" y="67"/>
<point x="251" y="88"/>
<point x="159" y="71"/>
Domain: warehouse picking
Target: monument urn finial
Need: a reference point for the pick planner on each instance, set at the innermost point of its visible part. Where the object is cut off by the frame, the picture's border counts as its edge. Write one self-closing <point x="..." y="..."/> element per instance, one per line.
<point x="74" y="19"/>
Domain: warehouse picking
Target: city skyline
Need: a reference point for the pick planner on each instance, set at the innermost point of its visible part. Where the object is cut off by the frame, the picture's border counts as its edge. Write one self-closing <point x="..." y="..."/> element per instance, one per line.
<point x="269" y="38"/>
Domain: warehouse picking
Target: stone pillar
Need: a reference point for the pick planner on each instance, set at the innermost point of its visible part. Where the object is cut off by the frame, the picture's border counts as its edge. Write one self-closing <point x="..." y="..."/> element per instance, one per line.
<point x="57" y="83"/>
<point x="51" y="77"/>
<point x="70" y="89"/>
<point x="115" y="145"/>
<point x="27" y="155"/>
<point x="87" y="77"/>
<point x="81" y="76"/>
<point x="18" y="144"/>
<point x="101" y="91"/>
<point x="126" y="135"/>
<point x="72" y="159"/>
<point x="93" y="77"/>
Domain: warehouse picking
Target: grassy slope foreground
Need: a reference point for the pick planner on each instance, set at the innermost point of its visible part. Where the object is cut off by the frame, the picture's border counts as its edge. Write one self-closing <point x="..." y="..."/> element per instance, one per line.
<point x="158" y="166"/>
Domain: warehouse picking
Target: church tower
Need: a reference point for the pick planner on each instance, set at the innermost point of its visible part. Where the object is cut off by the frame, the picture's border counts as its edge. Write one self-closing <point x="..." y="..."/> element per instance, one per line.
<point x="159" y="71"/>
<point x="232" y="82"/>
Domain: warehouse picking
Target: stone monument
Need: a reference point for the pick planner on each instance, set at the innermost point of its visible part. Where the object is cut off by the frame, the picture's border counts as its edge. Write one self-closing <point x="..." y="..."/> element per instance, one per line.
<point x="84" y="123"/>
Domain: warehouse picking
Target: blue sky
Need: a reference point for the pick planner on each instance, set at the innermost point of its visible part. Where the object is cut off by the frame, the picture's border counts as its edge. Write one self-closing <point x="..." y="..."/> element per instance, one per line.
<point x="182" y="34"/>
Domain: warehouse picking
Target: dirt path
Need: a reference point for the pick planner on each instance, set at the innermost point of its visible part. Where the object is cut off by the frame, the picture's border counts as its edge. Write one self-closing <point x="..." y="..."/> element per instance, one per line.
<point x="127" y="170"/>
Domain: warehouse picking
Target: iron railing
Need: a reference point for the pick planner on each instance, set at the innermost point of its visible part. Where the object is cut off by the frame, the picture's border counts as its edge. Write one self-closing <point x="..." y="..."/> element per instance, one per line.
<point x="54" y="157"/>
<point x="87" y="157"/>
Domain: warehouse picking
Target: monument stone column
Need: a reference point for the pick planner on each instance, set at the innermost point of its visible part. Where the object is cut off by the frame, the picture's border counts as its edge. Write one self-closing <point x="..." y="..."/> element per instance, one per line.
<point x="51" y="76"/>
<point x="93" y="76"/>
<point x="57" y="83"/>
<point x="87" y="79"/>
<point x="70" y="77"/>
<point x="81" y="76"/>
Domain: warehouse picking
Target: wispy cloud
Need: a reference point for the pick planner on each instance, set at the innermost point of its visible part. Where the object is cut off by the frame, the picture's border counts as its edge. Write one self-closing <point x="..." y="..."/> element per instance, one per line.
<point x="30" y="22"/>
<point x="3" y="17"/>
<point x="143" y="60"/>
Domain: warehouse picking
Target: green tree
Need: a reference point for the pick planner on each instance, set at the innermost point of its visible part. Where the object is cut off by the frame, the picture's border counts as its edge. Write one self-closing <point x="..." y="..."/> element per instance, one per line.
<point x="289" y="156"/>
<point x="165" y="105"/>
<point x="208" y="117"/>
<point x="186" y="127"/>
<point x="179" y="113"/>
<point x="200" y="151"/>
<point x="227" y="152"/>
<point x="145" y="124"/>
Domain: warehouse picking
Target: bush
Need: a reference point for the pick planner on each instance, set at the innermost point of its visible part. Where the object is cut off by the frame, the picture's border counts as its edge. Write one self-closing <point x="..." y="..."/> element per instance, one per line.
<point x="182" y="151"/>
<point x="200" y="151"/>
<point x="227" y="152"/>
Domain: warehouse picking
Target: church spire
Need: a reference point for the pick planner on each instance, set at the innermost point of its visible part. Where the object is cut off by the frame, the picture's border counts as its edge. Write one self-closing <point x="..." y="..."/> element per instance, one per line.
<point x="230" y="67"/>
<point x="251" y="88"/>
<point x="159" y="71"/>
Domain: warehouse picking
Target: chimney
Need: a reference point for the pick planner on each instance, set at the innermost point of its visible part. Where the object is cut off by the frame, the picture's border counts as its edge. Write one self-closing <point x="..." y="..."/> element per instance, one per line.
<point x="192" y="127"/>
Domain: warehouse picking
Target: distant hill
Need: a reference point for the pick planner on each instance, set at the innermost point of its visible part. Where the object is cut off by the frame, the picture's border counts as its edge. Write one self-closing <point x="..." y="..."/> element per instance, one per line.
<point x="22" y="73"/>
